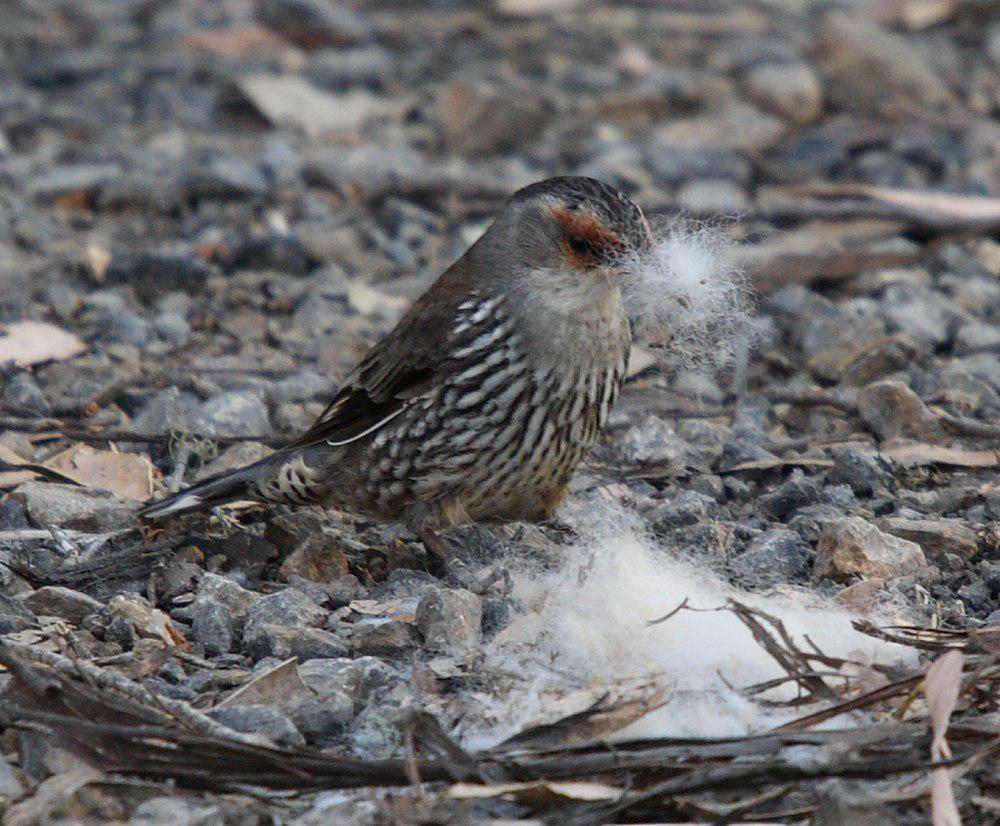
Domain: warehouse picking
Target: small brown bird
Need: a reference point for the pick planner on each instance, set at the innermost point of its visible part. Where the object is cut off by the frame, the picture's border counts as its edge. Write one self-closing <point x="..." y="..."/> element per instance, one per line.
<point x="484" y="399"/>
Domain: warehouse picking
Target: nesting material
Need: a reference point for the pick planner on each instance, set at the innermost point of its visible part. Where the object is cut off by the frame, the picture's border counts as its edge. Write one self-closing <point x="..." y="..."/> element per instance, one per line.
<point x="687" y="296"/>
<point x="587" y="625"/>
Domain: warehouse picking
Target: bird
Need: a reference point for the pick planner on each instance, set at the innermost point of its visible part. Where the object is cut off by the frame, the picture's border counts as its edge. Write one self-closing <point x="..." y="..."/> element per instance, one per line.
<point x="487" y="395"/>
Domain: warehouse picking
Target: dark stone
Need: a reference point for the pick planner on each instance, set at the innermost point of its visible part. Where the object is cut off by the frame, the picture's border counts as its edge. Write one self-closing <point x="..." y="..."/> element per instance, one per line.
<point x="325" y="718"/>
<point x="795" y="492"/>
<point x="865" y="471"/>
<point x="772" y="558"/>
<point x="151" y="273"/>
<point x="56" y="601"/>
<point x="213" y="628"/>
<point x="21" y="394"/>
<point x="282" y="641"/>
<point x="259" y="719"/>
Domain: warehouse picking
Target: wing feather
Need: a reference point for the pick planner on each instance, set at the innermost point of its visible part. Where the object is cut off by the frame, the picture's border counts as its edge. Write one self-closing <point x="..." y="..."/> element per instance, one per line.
<point x="399" y="368"/>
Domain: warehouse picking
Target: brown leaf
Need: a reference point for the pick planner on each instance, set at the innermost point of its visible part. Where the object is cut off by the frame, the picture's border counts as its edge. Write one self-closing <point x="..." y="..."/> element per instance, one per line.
<point x="34" y="342"/>
<point x="148" y="621"/>
<point x="279" y="686"/>
<point x="126" y="475"/>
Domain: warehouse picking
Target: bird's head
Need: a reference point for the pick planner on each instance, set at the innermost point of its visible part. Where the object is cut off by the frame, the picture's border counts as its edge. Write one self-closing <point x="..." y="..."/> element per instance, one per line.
<point x="571" y="234"/>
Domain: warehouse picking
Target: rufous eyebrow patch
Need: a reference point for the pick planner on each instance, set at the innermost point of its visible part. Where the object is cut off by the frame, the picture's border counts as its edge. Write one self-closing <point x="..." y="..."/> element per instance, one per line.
<point x="588" y="239"/>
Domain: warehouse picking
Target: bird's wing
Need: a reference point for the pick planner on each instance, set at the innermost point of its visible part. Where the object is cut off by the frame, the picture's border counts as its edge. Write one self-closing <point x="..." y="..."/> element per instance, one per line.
<point x="394" y="371"/>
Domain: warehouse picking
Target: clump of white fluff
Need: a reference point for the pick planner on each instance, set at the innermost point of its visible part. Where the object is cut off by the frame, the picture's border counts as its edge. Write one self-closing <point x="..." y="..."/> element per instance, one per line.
<point x="585" y="627"/>
<point x="688" y="297"/>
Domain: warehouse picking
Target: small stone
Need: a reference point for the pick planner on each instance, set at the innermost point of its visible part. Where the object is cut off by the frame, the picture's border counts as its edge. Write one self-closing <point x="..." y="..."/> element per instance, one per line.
<point x="323" y="718"/>
<point x="384" y="638"/>
<point x="282" y="642"/>
<point x="214" y="589"/>
<point x="50" y="503"/>
<point x="687" y="508"/>
<point x="675" y="163"/>
<point x="919" y="312"/>
<point x="791" y="90"/>
<point x="450" y="619"/>
<point x="861" y="596"/>
<point x="231" y="414"/>
<point x="259" y="719"/>
<point x="227" y="177"/>
<point x="175" y="811"/>
<point x="866" y="472"/>
<point x="70" y="179"/>
<point x="152" y="273"/>
<point x="483" y="118"/>
<point x="975" y="336"/>
<point x="314" y="23"/>
<point x="736" y="127"/>
<point x="277" y="253"/>
<point x="22" y="394"/>
<point x="893" y="411"/>
<point x="866" y="67"/>
<point x="318" y="558"/>
<point x="654" y="442"/>
<point x="172" y="327"/>
<point x="213" y="627"/>
<point x="163" y="413"/>
<point x="235" y="456"/>
<point x="793" y="493"/>
<point x="124" y="327"/>
<point x="774" y="557"/>
<point x="853" y="546"/>
<point x="287" y="607"/>
<point x="936" y="537"/>
<point x="706" y="196"/>
<point x="56" y="601"/>
<point x="10" y="787"/>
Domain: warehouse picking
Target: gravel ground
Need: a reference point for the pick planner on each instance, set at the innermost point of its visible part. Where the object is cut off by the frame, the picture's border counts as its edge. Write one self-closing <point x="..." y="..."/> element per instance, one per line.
<point x="226" y="203"/>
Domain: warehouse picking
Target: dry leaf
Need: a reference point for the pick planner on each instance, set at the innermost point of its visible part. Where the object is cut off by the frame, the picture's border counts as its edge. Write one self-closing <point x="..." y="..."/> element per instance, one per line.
<point x="148" y="621"/>
<point x="34" y="342"/>
<point x="537" y="792"/>
<point x="966" y="210"/>
<point x="535" y="8"/>
<point x="790" y="461"/>
<point x="944" y="811"/>
<point x="924" y="454"/>
<point x="640" y="360"/>
<point x="289" y="99"/>
<point x="941" y="687"/>
<point x="98" y="258"/>
<point x="279" y="686"/>
<point x="126" y="475"/>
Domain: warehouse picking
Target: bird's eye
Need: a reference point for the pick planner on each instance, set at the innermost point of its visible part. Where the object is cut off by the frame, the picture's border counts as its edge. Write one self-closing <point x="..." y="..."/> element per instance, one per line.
<point x="583" y="247"/>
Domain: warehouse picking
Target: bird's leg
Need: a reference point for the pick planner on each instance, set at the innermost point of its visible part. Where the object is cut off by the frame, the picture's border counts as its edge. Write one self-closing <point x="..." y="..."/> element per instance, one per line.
<point x="435" y="547"/>
<point x="421" y="518"/>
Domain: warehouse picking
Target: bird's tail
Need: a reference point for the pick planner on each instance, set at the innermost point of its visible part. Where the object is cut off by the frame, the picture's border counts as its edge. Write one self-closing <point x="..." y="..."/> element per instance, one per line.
<point x="228" y="486"/>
